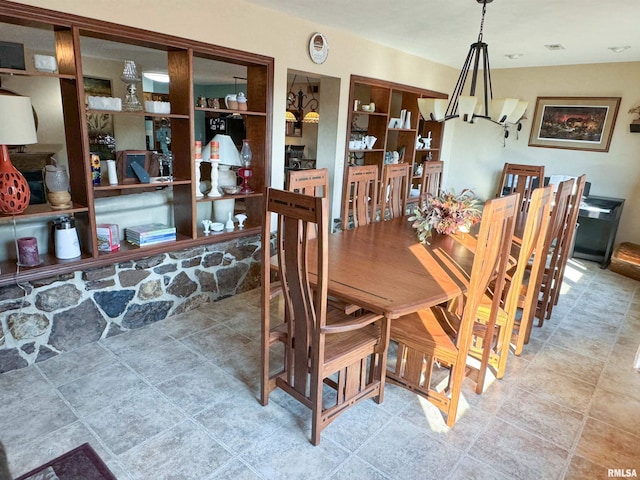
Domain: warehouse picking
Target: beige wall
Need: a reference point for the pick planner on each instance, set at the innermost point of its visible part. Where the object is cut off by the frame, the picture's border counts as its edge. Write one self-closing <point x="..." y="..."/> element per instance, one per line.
<point x="477" y="150"/>
<point x="474" y="153"/>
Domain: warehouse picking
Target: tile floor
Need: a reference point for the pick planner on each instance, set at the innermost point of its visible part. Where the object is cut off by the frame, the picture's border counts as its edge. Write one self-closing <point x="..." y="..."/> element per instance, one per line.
<point x="177" y="400"/>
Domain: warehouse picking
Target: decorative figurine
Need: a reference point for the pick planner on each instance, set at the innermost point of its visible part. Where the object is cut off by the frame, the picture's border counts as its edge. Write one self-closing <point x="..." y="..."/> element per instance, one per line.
<point x="241" y="217"/>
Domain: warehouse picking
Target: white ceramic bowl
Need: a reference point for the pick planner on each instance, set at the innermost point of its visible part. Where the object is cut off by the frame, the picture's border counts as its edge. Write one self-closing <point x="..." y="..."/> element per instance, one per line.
<point x="231" y="189"/>
<point x="217" y="226"/>
<point x="366" y="108"/>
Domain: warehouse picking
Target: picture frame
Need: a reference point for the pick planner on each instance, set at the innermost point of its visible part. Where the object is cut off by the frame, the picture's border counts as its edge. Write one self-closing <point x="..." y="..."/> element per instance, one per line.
<point x="100" y="125"/>
<point x="574" y="123"/>
<point x="293" y="129"/>
<point x="124" y="165"/>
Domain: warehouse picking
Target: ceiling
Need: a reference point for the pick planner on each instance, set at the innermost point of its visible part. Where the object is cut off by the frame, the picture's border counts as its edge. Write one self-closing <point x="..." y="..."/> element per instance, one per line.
<point x="443" y="30"/>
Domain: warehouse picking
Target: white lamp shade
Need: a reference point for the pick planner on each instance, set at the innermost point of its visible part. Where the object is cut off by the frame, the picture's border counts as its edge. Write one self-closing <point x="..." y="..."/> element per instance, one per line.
<point x="16" y="121"/>
<point x="433" y="108"/>
<point x="229" y="154"/>
<point x="501" y="108"/>
<point x="518" y="112"/>
<point x="466" y="107"/>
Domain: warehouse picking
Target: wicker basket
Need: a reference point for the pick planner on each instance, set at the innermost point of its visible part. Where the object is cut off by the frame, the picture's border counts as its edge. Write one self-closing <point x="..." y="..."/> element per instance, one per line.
<point x="626" y="260"/>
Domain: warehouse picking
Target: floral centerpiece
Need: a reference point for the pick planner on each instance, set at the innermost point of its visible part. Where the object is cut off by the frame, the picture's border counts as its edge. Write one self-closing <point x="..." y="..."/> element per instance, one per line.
<point x="446" y="214"/>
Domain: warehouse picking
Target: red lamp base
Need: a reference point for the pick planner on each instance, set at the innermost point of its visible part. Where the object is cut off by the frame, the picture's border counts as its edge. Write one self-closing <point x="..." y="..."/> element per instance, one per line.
<point x="14" y="189"/>
<point x="245" y="173"/>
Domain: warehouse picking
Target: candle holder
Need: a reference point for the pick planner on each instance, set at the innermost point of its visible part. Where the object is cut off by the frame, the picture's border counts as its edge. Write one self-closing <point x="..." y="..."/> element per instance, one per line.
<point x="130" y="78"/>
<point x="56" y="180"/>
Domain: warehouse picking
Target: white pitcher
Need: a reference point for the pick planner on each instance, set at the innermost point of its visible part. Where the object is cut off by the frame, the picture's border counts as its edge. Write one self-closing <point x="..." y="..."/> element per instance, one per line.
<point x="231" y="101"/>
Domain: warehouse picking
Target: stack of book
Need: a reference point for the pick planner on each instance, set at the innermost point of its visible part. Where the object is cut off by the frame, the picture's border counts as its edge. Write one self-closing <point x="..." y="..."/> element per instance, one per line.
<point x="150" y="234"/>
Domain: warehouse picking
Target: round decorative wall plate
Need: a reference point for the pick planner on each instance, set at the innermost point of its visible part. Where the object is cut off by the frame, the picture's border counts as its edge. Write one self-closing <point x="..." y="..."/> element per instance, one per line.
<point x="318" y="48"/>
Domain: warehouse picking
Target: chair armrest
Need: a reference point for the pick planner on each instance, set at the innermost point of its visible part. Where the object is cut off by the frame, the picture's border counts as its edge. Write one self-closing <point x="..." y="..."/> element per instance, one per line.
<point x="348" y="324"/>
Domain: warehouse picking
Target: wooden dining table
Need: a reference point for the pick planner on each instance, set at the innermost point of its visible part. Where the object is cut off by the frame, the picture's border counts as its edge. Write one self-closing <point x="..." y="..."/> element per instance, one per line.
<point x="383" y="268"/>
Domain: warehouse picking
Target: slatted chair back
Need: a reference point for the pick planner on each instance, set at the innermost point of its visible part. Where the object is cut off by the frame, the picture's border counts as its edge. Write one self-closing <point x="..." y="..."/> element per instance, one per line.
<point x="553" y="248"/>
<point x="322" y="345"/>
<point x="441" y="336"/>
<point x="568" y="235"/>
<point x="359" y="202"/>
<point x="431" y="178"/>
<point x="394" y="190"/>
<point x="314" y="182"/>
<point x="522" y="179"/>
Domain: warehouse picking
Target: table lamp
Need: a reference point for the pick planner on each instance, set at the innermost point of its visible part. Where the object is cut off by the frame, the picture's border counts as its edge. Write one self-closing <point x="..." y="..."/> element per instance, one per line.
<point x="17" y="127"/>
<point x="229" y="157"/>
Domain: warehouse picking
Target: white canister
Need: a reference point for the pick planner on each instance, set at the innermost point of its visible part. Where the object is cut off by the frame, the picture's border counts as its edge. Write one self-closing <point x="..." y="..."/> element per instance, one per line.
<point x="111" y="172"/>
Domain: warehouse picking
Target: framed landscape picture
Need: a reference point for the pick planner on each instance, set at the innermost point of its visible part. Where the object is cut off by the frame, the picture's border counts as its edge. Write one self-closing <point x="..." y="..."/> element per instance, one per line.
<point x="575" y="123"/>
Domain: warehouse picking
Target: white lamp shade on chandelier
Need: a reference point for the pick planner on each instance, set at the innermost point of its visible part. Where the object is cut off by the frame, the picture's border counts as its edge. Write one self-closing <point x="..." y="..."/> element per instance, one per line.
<point x="469" y="107"/>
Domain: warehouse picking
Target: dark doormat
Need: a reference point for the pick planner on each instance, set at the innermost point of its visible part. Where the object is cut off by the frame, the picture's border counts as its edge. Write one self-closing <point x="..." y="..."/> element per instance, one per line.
<point x="80" y="463"/>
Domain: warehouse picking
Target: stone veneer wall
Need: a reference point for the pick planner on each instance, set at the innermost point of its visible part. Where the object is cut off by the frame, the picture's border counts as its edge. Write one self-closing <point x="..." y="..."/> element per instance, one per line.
<point x="50" y="316"/>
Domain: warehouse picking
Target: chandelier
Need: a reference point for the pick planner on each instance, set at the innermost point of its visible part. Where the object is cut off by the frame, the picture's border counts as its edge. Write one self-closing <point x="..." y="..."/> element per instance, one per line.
<point x="296" y="102"/>
<point x="469" y="107"/>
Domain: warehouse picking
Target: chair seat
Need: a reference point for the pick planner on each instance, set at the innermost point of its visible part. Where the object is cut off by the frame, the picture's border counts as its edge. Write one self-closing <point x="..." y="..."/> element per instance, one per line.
<point x="424" y="331"/>
<point x="355" y="343"/>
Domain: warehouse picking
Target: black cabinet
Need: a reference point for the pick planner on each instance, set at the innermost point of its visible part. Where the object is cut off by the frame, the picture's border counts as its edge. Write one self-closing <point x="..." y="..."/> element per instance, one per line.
<point x="597" y="227"/>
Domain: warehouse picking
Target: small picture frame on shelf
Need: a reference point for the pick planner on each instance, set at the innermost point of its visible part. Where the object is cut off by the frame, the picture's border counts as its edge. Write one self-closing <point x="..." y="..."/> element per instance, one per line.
<point x="127" y="158"/>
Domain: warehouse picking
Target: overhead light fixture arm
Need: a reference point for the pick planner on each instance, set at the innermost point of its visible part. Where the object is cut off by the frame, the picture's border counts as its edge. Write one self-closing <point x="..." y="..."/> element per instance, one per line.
<point x="296" y="101"/>
<point x="462" y="106"/>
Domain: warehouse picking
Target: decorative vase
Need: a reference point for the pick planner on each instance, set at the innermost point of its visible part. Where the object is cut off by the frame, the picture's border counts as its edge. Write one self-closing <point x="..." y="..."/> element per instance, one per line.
<point x="14" y="189"/>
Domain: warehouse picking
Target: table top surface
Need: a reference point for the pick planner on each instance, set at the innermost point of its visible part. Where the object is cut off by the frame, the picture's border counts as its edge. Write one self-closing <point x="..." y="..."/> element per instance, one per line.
<point x="384" y="268"/>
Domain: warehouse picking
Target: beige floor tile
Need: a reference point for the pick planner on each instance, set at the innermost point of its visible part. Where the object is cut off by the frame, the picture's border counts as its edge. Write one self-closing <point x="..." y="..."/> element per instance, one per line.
<point x="404" y="450"/>
<point x="204" y="367"/>
<point x="548" y="420"/>
<point x="470" y="468"/>
<point x="582" y="367"/>
<point x="186" y="451"/>
<point x="619" y="376"/>
<point x="618" y="410"/>
<point x="513" y="451"/>
<point x="608" y="446"/>
<point x="593" y="342"/>
<point x="582" y="469"/>
<point x="554" y="386"/>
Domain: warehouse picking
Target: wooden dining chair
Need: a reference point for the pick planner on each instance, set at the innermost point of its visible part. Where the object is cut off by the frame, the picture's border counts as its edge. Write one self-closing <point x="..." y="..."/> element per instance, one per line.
<point x="568" y="237"/>
<point x="441" y="336"/>
<point x="394" y="190"/>
<point x="360" y="198"/>
<point x="331" y="361"/>
<point x="313" y="182"/>
<point x="553" y="248"/>
<point x="491" y="347"/>
<point x="522" y="179"/>
<point x="431" y="179"/>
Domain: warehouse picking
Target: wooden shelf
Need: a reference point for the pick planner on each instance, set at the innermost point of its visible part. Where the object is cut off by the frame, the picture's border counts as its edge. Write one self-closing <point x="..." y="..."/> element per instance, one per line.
<point x="390" y="99"/>
<point x="186" y="60"/>
<point x="233" y="112"/>
<point x="139" y="114"/>
<point x="42" y="210"/>
<point x="139" y="185"/>
<point x="34" y="73"/>
<point x="237" y="196"/>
